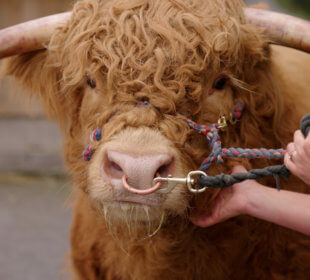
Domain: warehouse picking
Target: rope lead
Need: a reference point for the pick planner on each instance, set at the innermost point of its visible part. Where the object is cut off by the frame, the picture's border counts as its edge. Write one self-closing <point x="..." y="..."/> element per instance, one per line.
<point x="224" y="180"/>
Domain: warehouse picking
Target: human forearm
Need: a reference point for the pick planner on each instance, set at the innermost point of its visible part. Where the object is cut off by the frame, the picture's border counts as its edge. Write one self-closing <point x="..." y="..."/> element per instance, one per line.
<point x="285" y="208"/>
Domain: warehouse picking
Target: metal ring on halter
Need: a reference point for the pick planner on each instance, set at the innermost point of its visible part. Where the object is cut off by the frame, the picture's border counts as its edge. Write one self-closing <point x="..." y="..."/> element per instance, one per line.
<point x="190" y="181"/>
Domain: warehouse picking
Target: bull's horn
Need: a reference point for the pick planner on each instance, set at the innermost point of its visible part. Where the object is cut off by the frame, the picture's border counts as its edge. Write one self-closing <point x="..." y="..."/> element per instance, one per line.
<point x="33" y="35"/>
<point x="282" y="29"/>
<point x="29" y="36"/>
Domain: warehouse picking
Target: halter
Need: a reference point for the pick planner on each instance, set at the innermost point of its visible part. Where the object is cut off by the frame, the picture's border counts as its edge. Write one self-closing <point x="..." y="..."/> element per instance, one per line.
<point x="218" y="154"/>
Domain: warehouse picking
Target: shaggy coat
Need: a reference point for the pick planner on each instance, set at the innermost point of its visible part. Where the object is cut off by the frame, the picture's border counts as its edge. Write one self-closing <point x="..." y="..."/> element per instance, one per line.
<point x="190" y="57"/>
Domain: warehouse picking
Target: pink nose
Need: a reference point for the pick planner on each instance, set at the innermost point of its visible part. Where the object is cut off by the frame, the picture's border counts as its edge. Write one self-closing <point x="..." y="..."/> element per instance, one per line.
<point x="136" y="173"/>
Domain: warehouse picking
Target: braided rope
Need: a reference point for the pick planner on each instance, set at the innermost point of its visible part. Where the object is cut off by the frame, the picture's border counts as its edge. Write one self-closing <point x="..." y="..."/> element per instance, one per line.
<point x="87" y="154"/>
<point x="96" y="135"/>
<point x="305" y="125"/>
<point x="218" y="154"/>
<point x="224" y="180"/>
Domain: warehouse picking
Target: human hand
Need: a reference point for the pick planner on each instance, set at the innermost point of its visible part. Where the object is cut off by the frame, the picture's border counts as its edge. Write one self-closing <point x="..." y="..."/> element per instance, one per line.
<point x="297" y="158"/>
<point x="230" y="202"/>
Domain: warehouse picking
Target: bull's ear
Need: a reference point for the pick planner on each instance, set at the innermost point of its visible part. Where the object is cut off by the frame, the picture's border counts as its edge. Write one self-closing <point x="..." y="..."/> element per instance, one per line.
<point x="38" y="74"/>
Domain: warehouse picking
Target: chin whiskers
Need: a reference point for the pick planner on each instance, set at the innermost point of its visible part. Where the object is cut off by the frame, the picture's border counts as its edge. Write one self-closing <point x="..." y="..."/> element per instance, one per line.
<point x="130" y="224"/>
<point x="159" y="226"/>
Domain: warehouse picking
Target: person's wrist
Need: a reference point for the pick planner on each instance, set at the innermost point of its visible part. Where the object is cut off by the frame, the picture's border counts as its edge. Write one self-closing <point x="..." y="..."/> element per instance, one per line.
<point x="243" y="198"/>
<point x="249" y="197"/>
<point x="245" y="204"/>
<point x="305" y="179"/>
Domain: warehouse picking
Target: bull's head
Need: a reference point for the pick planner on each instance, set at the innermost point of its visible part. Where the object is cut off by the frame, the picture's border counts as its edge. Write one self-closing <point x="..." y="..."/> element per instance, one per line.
<point x="194" y="58"/>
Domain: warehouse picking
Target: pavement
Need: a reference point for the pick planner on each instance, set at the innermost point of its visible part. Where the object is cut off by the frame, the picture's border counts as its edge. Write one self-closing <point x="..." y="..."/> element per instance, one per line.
<point x="35" y="212"/>
<point x="35" y="219"/>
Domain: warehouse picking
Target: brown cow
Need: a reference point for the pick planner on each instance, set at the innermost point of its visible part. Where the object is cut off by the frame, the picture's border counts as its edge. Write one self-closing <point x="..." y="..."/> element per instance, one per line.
<point x="188" y="57"/>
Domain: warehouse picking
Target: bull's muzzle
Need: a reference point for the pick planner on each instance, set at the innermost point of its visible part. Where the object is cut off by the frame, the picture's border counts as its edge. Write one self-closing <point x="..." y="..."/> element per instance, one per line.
<point x="135" y="173"/>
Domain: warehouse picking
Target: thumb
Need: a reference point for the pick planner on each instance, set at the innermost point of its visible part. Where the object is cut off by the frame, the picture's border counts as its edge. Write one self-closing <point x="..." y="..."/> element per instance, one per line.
<point x="238" y="169"/>
<point x="202" y="219"/>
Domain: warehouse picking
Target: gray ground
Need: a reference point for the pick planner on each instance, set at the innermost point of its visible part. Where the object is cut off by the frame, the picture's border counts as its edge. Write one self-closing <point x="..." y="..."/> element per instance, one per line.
<point x="35" y="218"/>
<point x="34" y="213"/>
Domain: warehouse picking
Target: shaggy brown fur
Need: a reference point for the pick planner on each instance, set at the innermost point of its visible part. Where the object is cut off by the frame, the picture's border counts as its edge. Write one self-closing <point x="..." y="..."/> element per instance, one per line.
<point x="169" y="52"/>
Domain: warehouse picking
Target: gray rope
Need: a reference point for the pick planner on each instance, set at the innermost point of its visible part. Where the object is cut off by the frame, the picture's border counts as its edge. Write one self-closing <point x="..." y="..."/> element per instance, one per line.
<point x="224" y="180"/>
<point x="305" y="125"/>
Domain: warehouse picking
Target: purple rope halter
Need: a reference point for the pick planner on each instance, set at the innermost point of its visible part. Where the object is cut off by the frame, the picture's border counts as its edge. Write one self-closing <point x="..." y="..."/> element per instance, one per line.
<point x="218" y="153"/>
<point x="94" y="136"/>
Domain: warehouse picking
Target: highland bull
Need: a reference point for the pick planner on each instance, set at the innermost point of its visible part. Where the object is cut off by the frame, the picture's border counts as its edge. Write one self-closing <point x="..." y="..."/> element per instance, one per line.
<point x="129" y="69"/>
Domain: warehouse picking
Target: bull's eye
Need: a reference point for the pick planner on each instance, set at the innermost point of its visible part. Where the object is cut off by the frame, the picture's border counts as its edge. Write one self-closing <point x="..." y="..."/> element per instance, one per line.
<point x="220" y="83"/>
<point x="91" y="82"/>
<point x="143" y="99"/>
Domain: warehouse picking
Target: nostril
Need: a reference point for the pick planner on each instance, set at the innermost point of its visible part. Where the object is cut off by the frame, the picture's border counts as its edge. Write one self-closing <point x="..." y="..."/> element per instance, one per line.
<point x="164" y="170"/>
<point x="161" y="171"/>
<point x="115" y="167"/>
<point x="112" y="169"/>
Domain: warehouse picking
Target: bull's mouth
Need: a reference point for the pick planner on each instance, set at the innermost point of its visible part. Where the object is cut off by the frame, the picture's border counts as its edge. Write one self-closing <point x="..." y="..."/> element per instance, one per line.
<point x="138" y="202"/>
<point x="131" y="211"/>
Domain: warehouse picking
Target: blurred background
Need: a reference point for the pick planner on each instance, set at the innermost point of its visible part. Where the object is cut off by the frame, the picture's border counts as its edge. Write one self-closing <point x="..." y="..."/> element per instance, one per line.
<point x="35" y="213"/>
